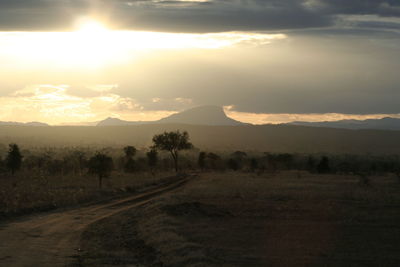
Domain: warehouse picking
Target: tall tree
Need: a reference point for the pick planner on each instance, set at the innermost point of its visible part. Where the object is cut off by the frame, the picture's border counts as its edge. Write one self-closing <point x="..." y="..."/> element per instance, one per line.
<point x="173" y="142"/>
<point x="14" y="158"/>
<point x="101" y="165"/>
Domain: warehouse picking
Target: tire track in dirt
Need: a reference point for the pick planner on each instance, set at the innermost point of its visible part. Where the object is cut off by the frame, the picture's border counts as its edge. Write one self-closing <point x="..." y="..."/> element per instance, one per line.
<point x="52" y="239"/>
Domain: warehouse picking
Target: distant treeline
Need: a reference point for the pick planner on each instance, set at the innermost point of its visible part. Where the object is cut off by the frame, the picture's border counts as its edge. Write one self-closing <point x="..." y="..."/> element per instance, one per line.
<point x="260" y="138"/>
<point x="78" y="160"/>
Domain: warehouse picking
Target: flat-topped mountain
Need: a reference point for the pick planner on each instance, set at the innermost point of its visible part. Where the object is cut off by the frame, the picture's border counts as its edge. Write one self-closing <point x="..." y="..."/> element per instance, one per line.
<point x="204" y="115"/>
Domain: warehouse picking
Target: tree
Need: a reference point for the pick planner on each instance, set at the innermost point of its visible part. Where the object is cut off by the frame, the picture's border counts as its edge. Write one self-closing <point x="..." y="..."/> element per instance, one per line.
<point x="213" y="160"/>
<point x="130" y="152"/>
<point x="323" y="165"/>
<point x="202" y="160"/>
<point x="233" y="164"/>
<point x="152" y="159"/>
<point x="14" y="158"/>
<point x="101" y="165"/>
<point x="172" y="142"/>
<point x="310" y="164"/>
<point x="253" y="164"/>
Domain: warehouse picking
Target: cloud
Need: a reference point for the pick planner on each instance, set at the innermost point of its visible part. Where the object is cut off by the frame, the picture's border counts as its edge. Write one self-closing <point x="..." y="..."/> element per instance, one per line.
<point x="55" y="104"/>
<point x="271" y="118"/>
<point x="188" y="16"/>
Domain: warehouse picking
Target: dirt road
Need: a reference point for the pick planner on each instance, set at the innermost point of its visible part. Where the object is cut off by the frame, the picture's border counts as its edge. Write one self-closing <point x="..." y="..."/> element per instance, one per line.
<point x="52" y="239"/>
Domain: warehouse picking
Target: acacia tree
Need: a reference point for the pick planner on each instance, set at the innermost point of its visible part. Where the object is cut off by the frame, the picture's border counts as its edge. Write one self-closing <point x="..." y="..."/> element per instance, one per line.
<point x="101" y="165"/>
<point x="14" y="158"/>
<point x="172" y="142"/>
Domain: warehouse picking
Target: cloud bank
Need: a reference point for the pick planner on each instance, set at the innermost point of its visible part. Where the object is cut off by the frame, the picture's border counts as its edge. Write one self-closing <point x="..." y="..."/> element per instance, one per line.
<point x="189" y="16"/>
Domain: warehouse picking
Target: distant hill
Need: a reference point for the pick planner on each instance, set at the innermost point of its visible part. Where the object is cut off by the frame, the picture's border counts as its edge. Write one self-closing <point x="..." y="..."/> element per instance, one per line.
<point x="117" y="122"/>
<point x="379" y="124"/>
<point x="33" y="123"/>
<point x="204" y="115"/>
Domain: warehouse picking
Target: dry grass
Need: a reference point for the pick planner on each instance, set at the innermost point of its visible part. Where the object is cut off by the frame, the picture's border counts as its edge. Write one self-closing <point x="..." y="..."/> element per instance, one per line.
<point x="283" y="219"/>
<point x="28" y="192"/>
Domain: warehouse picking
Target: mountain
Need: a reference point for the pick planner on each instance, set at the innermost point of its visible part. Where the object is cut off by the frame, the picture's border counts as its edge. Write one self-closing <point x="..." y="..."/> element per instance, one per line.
<point x="204" y="115"/>
<point x="378" y="124"/>
<point x="13" y="123"/>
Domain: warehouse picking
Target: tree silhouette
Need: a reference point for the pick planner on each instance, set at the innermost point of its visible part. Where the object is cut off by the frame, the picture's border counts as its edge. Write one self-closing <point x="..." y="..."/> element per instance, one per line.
<point x="101" y="165"/>
<point x="323" y="165"/>
<point x="233" y="164"/>
<point x="14" y="158"/>
<point x="152" y="159"/>
<point x="253" y="164"/>
<point x="172" y="142"/>
<point x="310" y="164"/>
<point x="213" y="159"/>
<point x="130" y="152"/>
<point x="202" y="160"/>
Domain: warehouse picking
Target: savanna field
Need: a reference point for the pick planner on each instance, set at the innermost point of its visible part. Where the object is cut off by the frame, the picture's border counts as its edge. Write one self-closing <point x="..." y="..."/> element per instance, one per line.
<point x="288" y="218"/>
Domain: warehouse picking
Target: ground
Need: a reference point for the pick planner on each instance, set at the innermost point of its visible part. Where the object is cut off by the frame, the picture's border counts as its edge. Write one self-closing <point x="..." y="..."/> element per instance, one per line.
<point x="243" y="219"/>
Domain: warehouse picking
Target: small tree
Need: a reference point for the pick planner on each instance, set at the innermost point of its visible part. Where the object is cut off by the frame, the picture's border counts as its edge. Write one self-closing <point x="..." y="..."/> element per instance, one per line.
<point x="152" y="159"/>
<point x="233" y="164"/>
<point x="172" y="142"/>
<point x="213" y="160"/>
<point x="253" y="164"/>
<point x="130" y="152"/>
<point x="101" y="165"/>
<point x="323" y="165"/>
<point x="14" y="158"/>
<point x="311" y="163"/>
<point x="202" y="160"/>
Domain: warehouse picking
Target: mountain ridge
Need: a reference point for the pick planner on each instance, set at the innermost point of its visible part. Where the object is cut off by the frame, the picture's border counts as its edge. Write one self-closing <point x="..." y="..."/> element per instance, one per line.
<point x="387" y="123"/>
<point x="32" y="123"/>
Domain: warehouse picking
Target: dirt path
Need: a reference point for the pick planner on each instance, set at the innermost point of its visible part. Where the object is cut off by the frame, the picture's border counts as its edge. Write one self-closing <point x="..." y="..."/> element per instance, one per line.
<point x="52" y="239"/>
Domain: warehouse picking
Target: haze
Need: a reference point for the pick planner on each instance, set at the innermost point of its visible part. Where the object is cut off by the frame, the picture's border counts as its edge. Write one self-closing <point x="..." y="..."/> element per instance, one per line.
<point x="265" y="61"/>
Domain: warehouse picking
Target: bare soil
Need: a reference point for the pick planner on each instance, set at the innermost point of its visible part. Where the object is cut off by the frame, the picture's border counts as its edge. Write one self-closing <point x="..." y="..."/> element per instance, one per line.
<point x="52" y="239"/>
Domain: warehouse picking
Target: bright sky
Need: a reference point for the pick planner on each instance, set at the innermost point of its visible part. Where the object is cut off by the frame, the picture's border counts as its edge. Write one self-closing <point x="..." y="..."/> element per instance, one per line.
<point x="143" y="60"/>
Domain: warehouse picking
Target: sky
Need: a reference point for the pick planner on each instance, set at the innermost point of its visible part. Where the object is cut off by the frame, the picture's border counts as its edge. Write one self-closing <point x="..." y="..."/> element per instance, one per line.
<point x="264" y="61"/>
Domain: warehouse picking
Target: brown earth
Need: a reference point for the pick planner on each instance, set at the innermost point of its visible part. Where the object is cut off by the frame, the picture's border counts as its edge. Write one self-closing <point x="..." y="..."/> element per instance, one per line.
<point x="52" y="239"/>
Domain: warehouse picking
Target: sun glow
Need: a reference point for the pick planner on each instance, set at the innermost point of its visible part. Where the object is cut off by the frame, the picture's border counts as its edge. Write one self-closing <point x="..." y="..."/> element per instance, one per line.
<point x="93" y="45"/>
<point x="91" y="27"/>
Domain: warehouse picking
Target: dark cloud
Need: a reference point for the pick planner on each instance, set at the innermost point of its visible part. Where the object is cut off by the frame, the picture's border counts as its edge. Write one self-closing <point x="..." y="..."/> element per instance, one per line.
<point x="183" y="16"/>
<point x="359" y="7"/>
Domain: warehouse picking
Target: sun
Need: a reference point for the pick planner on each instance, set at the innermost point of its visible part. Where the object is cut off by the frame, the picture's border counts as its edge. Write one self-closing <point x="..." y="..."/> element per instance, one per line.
<point x="91" y="26"/>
